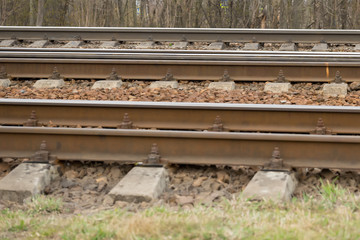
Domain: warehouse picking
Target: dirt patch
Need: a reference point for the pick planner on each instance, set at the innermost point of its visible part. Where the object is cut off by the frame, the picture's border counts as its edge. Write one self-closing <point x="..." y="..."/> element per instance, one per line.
<point x="310" y="181"/>
<point x="8" y="164"/>
<point x="191" y="185"/>
<point x="83" y="187"/>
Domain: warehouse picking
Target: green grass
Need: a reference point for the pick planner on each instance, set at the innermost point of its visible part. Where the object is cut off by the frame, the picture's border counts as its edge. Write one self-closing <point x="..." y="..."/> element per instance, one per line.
<point x="41" y="204"/>
<point x="334" y="215"/>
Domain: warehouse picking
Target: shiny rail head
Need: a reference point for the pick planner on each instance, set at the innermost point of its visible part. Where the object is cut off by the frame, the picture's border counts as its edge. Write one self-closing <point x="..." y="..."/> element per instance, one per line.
<point x="178" y="105"/>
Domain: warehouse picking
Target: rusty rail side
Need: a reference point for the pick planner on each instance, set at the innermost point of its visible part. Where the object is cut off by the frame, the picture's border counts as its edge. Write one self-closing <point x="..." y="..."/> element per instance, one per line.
<point x="181" y="69"/>
<point x="195" y="116"/>
<point x="339" y="152"/>
<point x="180" y="34"/>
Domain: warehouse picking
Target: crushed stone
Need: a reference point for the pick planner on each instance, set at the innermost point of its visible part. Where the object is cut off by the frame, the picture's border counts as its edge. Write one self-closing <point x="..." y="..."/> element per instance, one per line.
<point x="188" y="91"/>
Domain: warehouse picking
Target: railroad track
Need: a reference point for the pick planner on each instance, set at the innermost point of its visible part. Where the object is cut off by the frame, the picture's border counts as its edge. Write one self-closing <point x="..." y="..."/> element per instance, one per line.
<point x="184" y="65"/>
<point x="184" y="146"/>
<point x="184" y="133"/>
<point x="276" y="137"/>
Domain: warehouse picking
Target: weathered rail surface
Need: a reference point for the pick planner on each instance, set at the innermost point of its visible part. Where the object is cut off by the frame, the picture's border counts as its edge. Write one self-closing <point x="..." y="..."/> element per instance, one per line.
<point x="180" y="34"/>
<point x="193" y="66"/>
<point x="182" y="116"/>
<point x="340" y="152"/>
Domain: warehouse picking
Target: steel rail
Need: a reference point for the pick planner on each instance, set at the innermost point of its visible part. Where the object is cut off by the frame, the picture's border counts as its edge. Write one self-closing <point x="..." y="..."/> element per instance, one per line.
<point x="180" y="34"/>
<point x="179" y="147"/>
<point x="178" y="51"/>
<point x="181" y="69"/>
<point x="182" y="116"/>
<point x="188" y="56"/>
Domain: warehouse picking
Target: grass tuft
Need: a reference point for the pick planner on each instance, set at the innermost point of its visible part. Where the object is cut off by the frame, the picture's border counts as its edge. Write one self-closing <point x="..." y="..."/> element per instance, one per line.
<point x="43" y="204"/>
<point x="332" y="193"/>
<point x="19" y="227"/>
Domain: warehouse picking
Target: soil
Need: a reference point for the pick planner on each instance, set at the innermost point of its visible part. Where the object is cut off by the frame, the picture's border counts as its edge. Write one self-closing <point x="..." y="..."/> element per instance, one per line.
<point x="310" y="181"/>
<point x="83" y="186"/>
<point x="8" y="164"/>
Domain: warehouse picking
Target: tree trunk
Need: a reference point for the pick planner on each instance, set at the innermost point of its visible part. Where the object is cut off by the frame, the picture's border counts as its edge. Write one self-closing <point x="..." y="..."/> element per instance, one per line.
<point x="343" y="13"/>
<point x="40" y="13"/>
<point x="32" y="13"/>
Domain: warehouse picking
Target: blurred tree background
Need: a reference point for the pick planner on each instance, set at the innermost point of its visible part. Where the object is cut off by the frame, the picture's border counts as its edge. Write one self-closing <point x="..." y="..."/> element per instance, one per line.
<point x="317" y="14"/>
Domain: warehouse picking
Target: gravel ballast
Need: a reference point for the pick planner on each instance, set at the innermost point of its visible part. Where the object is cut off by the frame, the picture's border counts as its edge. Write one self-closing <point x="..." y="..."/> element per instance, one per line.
<point x="188" y="91"/>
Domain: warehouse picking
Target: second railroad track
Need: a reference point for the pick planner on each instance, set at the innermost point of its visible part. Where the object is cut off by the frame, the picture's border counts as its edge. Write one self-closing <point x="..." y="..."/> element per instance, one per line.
<point x="184" y="65"/>
<point x="192" y="65"/>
